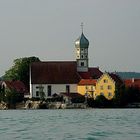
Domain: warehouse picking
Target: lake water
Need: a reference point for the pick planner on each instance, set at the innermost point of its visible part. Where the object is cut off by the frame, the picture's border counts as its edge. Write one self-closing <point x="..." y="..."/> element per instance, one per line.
<point x="80" y="124"/>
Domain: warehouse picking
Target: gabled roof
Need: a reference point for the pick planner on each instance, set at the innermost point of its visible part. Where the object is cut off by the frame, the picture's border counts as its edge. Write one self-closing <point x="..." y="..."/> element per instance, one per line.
<point x="116" y="78"/>
<point x="87" y="82"/>
<point x="93" y="73"/>
<point x="132" y="82"/>
<point x="58" y="72"/>
<point x="18" y="86"/>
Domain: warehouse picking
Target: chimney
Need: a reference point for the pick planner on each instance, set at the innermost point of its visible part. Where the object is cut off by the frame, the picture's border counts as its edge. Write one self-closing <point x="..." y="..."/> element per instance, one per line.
<point x="133" y="80"/>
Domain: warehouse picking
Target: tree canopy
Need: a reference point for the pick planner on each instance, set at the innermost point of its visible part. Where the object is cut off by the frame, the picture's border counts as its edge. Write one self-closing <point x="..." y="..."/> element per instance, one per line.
<point x="20" y="70"/>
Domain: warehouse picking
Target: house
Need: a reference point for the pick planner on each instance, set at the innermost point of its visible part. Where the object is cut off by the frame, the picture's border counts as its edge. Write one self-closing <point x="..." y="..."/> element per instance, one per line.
<point x="53" y="77"/>
<point x="14" y="85"/>
<point x="132" y="83"/>
<point x="86" y="87"/>
<point x="106" y="85"/>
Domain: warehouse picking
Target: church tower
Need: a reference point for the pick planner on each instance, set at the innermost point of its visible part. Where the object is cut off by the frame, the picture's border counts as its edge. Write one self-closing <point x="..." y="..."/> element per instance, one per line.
<point x="81" y="45"/>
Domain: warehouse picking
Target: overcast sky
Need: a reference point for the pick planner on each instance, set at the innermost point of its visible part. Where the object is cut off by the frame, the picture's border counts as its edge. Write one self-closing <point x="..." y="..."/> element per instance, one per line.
<point x="48" y="29"/>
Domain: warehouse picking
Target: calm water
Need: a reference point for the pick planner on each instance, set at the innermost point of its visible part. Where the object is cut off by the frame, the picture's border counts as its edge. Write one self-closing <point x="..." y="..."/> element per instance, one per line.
<point x="92" y="124"/>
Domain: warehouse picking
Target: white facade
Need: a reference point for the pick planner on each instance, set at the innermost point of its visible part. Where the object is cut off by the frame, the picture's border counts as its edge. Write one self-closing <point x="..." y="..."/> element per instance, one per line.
<point x="55" y="88"/>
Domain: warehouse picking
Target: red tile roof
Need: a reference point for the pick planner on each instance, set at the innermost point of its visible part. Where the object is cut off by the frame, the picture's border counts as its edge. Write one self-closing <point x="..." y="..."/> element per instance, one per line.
<point x="61" y="72"/>
<point x="87" y="82"/>
<point x="93" y="72"/>
<point x="16" y="85"/>
<point x="132" y="82"/>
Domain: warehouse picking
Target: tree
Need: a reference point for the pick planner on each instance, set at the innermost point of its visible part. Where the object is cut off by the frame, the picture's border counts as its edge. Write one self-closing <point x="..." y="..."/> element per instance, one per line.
<point x="101" y="101"/>
<point x="20" y="70"/>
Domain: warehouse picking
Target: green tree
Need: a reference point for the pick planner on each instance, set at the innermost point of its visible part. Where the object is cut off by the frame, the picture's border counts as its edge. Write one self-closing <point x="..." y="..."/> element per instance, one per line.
<point x="20" y="70"/>
<point x="122" y="96"/>
<point x="101" y="101"/>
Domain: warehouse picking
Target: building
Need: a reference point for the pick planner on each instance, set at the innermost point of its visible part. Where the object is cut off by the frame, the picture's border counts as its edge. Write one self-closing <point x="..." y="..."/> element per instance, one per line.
<point x="106" y="85"/>
<point x="57" y="77"/>
<point x="53" y="78"/>
<point x="132" y="83"/>
<point x="86" y="87"/>
<point x="14" y="85"/>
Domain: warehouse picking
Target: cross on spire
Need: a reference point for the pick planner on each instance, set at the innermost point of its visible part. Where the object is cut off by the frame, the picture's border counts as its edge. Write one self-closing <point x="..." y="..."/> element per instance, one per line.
<point x="82" y="26"/>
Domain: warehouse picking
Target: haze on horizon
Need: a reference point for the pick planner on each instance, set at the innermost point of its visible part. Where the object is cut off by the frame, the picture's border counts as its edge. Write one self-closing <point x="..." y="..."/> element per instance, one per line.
<point x="48" y="29"/>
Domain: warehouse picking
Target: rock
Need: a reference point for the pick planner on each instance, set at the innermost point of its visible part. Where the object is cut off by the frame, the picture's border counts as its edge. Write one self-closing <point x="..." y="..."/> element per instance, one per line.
<point x="3" y="106"/>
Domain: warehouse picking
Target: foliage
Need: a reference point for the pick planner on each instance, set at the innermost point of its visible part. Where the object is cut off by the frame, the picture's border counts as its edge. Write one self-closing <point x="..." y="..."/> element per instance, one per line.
<point x="90" y="102"/>
<point x="78" y="99"/>
<point x="120" y="99"/>
<point x="101" y="101"/>
<point x="125" y="95"/>
<point x="20" y="70"/>
<point x="11" y="97"/>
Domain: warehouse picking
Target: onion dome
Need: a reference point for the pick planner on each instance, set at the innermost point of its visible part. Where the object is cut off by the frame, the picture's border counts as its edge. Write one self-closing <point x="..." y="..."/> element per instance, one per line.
<point x="82" y="42"/>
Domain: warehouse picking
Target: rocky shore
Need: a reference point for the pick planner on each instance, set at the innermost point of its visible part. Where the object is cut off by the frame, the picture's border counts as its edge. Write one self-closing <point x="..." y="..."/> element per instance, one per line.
<point x="42" y="105"/>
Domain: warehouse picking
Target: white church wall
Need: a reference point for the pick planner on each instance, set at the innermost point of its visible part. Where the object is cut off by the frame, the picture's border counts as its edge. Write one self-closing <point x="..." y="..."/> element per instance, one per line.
<point x="55" y="88"/>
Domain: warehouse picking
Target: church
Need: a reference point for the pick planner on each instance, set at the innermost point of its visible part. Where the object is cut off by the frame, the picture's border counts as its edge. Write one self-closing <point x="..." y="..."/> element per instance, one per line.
<point x="55" y="77"/>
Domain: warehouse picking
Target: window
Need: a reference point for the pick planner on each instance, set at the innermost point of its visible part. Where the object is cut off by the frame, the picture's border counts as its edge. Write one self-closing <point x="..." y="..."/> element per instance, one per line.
<point x="101" y="87"/>
<point x="82" y="63"/>
<point x="109" y="94"/>
<point x="49" y="90"/>
<point x="37" y="87"/>
<point x="37" y="93"/>
<point x="102" y="93"/>
<point x="82" y="56"/>
<point x="67" y="89"/>
<point x="105" y="80"/>
<point x="109" y="87"/>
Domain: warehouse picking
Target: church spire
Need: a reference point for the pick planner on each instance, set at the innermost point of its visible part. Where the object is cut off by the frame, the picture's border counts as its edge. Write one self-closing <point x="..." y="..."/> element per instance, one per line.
<point x="81" y="45"/>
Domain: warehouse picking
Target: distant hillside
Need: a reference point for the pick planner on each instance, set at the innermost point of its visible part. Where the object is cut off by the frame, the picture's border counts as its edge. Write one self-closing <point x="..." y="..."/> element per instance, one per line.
<point x="129" y="75"/>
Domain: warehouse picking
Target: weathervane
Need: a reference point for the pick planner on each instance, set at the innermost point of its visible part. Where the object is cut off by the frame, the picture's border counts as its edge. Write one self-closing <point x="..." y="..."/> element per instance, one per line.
<point x="82" y="26"/>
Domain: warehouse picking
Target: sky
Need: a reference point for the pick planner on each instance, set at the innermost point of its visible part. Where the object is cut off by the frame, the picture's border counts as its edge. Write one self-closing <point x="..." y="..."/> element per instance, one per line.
<point x="48" y="29"/>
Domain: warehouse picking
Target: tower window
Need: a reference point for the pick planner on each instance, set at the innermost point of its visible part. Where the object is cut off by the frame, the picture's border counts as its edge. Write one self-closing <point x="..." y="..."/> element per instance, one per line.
<point x="82" y="63"/>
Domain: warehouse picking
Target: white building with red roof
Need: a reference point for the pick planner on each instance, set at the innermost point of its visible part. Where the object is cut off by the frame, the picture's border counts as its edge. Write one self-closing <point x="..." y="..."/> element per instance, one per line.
<point x="55" y="77"/>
